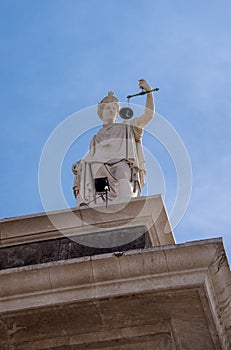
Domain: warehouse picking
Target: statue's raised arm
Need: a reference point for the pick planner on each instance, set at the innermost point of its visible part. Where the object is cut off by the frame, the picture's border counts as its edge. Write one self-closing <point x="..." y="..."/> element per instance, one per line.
<point x="115" y="153"/>
<point x="149" y="110"/>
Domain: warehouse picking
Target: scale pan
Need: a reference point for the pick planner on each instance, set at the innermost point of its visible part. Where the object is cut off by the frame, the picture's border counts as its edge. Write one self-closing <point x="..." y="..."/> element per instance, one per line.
<point x="126" y="113"/>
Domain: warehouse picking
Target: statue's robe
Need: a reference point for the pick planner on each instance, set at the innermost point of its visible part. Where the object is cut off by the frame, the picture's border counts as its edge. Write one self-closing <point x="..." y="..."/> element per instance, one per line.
<point x="113" y="145"/>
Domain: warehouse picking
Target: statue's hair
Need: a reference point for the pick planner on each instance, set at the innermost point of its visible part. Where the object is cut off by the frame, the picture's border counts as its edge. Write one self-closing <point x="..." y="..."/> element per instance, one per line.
<point x="109" y="98"/>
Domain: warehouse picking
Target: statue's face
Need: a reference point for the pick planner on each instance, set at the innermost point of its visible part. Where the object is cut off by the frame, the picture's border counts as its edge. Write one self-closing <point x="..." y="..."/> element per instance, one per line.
<point x="110" y="113"/>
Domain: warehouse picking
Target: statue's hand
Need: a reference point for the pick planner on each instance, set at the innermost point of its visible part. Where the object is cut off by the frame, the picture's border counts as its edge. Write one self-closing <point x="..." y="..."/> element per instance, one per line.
<point x="76" y="168"/>
<point x="144" y="85"/>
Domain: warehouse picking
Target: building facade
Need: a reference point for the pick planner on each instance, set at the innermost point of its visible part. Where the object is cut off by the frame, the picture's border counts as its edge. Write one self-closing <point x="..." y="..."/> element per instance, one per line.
<point x="116" y="279"/>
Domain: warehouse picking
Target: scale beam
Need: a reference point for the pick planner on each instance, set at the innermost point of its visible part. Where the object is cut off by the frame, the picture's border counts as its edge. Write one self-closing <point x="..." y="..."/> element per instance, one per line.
<point x="142" y="93"/>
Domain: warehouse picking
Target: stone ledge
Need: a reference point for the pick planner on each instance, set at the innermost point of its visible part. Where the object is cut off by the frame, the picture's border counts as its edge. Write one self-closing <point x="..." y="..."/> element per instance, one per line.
<point x="142" y="211"/>
<point x="195" y="266"/>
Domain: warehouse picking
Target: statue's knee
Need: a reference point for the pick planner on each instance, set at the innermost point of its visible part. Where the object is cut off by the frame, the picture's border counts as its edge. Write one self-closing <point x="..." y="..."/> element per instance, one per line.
<point x="123" y="172"/>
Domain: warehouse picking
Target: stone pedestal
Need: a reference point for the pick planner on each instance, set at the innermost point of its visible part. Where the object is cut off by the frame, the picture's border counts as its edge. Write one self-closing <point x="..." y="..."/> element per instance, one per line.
<point x="148" y="293"/>
<point x="68" y="234"/>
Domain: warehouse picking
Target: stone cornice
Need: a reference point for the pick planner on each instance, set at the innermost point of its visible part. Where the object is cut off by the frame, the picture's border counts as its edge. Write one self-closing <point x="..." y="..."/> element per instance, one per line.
<point x="200" y="264"/>
<point x="149" y="211"/>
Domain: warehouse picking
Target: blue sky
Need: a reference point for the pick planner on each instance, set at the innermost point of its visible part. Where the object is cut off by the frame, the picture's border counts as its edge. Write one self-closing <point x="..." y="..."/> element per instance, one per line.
<point x="61" y="56"/>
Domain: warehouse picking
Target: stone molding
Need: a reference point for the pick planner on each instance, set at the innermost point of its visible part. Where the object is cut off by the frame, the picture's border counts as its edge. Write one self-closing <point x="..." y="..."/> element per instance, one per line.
<point x="194" y="272"/>
<point x="201" y="265"/>
<point x="142" y="211"/>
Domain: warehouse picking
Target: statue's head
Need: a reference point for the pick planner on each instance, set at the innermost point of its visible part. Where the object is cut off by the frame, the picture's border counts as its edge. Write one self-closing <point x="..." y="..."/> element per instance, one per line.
<point x="108" y="108"/>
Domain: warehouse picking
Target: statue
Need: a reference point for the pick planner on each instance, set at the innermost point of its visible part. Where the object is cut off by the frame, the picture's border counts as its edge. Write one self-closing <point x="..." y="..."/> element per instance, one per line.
<point x="115" y="153"/>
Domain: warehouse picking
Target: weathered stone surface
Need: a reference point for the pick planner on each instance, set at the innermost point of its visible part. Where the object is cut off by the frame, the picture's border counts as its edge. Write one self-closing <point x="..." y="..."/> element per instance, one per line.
<point x="143" y="211"/>
<point x="169" y="297"/>
<point x="154" y="319"/>
<point x="56" y="293"/>
<point x="65" y="248"/>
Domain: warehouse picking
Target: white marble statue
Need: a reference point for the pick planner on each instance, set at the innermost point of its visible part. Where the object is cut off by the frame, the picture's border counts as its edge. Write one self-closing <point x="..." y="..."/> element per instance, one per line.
<point x="116" y="153"/>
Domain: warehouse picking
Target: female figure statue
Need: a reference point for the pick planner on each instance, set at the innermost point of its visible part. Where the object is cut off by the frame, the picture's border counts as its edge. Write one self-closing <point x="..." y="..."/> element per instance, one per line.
<point x="116" y="153"/>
